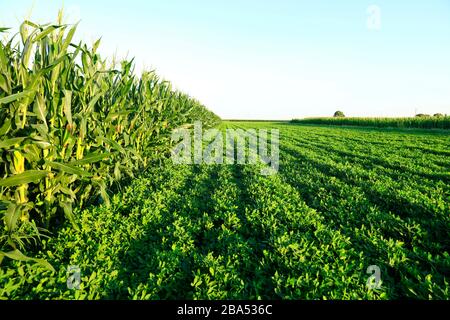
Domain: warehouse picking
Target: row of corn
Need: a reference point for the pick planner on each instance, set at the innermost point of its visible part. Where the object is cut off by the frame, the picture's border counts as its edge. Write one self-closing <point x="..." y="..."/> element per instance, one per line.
<point x="73" y="126"/>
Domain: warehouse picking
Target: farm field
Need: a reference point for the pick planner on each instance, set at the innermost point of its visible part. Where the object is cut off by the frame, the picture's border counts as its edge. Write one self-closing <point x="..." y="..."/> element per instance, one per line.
<point x="437" y="121"/>
<point x="344" y="199"/>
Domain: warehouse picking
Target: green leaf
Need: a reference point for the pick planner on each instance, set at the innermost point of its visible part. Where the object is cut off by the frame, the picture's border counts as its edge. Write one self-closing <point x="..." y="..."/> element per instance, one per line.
<point x="67" y="207"/>
<point x="45" y="32"/>
<point x="4" y="85"/>
<point x="5" y="127"/>
<point x="67" y="191"/>
<point x="17" y="255"/>
<point x="31" y="24"/>
<point x="15" y="96"/>
<point x="68" y="39"/>
<point x="11" y="216"/>
<point x="114" y="115"/>
<point x="90" y="158"/>
<point x="112" y="143"/>
<point x="39" y="109"/>
<point x="23" y="178"/>
<point x="32" y="153"/>
<point x="68" y="105"/>
<point x="96" y="44"/>
<point x="52" y="65"/>
<point x="93" y="102"/>
<point x="5" y="144"/>
<point x="3" y="59"/>
<point x="68" y="168"/>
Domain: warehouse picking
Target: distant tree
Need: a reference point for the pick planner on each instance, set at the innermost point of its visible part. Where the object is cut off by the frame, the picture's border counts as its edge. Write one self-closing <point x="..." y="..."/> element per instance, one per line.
<point x="422" y="115"/>
<point x="438" y="115"/>
<point x="339" y="114"/>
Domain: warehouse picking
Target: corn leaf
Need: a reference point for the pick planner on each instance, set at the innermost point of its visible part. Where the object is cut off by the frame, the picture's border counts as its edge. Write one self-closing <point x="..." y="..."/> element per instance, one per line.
<point x="67" y="208"/>
<point x="15" y="97"/>
<point x="17" y="255"/>
<point x="29" y="176"/>
<point x="44" y="33"/>
<point x="68" y="168"/>
<point x="11" y="216"/>
<point x="5" y="144"/>
<point x="90" y="158"/>
<point x="68" y="106"/>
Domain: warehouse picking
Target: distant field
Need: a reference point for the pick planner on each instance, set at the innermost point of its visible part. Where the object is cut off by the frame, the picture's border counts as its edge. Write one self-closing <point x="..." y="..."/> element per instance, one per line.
<point x="416" y="122"/>
<point x="344" y="199"/>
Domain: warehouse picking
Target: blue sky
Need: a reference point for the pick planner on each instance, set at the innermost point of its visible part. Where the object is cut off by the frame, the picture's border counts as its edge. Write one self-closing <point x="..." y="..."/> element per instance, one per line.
<point x="275" y="59"/>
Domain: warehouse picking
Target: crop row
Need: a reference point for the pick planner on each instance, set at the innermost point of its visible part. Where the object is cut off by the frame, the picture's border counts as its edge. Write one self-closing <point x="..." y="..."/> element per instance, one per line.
<point x="364" y="184"/>
<point x="435" y="122"/>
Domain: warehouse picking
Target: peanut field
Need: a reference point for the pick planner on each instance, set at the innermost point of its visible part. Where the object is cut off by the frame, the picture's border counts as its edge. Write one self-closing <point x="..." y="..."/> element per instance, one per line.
<point x="343" y="199"/>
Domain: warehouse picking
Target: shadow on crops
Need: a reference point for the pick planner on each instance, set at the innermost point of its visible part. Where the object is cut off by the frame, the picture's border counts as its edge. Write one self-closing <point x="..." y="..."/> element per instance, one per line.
<point x="257" y="276"/>
<point x="247" y="242"/>
<point x="151" y="256"/>
<point x="337" y="213"/>
<point x="370" y="161"/>
<point x="337" y="218"/>
<point x="152" y="253"/>
<point x="59" y="221"/>
<point x="437" y="231"/>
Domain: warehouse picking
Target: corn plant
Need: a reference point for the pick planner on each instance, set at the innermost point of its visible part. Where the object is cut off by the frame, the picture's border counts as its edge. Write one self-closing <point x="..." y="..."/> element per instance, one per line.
<point x="72" y="125"/>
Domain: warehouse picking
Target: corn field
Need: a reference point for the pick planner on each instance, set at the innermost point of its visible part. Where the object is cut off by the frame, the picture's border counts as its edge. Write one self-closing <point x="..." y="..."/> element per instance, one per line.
<point x="73" y="126"/>
<point x="427" y="122"/>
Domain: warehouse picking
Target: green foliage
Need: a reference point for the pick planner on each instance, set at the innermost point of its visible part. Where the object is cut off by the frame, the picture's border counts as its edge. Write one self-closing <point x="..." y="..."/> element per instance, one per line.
<point x="344" y="199"/>
<point x="423" y="122"/>
<point x="72" y="127"/>
<point x="339" y="114"/>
